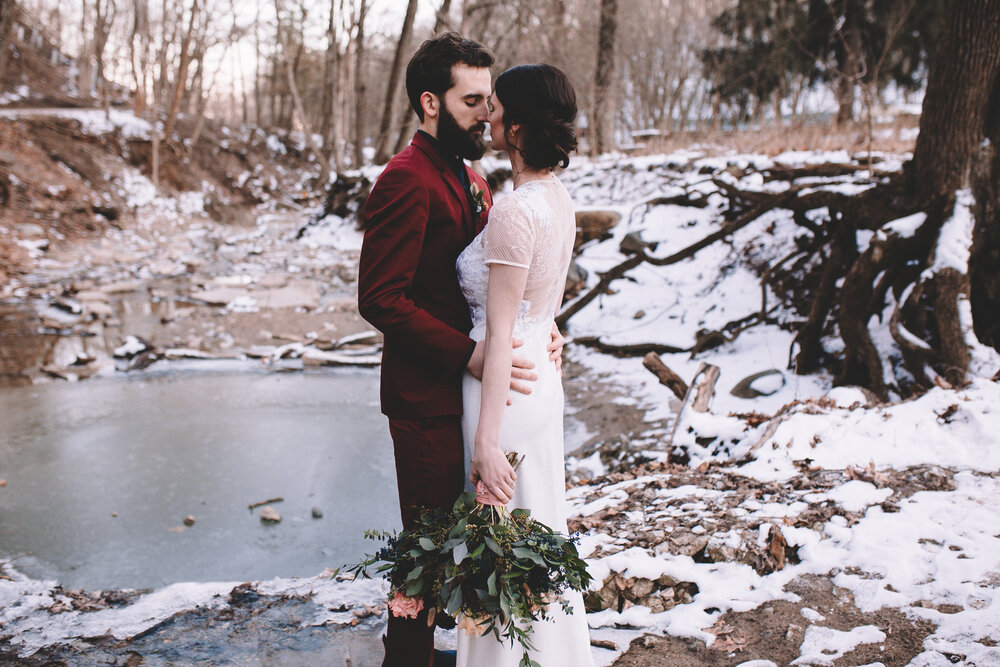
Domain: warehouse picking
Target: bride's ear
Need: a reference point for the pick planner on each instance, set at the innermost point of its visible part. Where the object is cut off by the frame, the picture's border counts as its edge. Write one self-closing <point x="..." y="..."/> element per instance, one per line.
<point x="430" y="104"/>
<point x="512" y="132"/>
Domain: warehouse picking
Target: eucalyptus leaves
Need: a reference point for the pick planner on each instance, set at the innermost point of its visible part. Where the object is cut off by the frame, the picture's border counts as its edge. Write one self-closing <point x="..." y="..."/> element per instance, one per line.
<point x="494" y="570"/>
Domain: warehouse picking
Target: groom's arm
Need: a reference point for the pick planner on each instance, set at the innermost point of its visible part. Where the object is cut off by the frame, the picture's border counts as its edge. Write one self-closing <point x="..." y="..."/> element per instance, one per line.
<point x="396" y="215"/>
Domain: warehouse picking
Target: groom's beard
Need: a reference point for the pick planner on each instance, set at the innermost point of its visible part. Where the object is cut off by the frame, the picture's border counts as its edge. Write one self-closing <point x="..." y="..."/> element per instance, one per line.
<point x="462" y="143"/>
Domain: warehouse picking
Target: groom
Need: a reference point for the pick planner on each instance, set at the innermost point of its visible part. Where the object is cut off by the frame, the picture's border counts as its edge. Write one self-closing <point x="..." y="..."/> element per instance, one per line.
<point x="425" y="208"/>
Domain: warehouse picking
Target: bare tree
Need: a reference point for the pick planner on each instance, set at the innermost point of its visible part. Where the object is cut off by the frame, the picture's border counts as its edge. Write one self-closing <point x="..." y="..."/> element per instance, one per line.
<point x="359" y="86"/>
<point x="382" y="146"/>
<point x="104" y="17"/>
<point x="603" y="117"/>
<point x="324" y="165"/>
<point x="7" y="9"/>
<point x="408" y="119"/>
<point x="177" y="94"/>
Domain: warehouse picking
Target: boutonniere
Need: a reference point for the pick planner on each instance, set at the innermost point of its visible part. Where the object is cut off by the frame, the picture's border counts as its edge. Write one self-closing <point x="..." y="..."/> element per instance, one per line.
<point x="479" y="204"/>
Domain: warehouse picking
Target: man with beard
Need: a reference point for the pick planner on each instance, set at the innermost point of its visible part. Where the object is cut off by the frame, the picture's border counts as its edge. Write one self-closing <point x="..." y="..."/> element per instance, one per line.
<point x="425" y="208"/>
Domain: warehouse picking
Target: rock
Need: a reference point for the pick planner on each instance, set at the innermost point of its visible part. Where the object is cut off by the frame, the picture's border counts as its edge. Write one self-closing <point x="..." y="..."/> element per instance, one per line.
<point x="68" y="305"/>
<point x="300" y="294"/>
<point x="99" y="309"/>
<point x="317" y="513"/>
<point x="220" y="296"/>
<point x="189" y="520"/>
<point x="851" y="397"/>
<point x="30" y="230"/>
<point x="745" y="388"/>
<point x="269" y="515"/>
<point x="592" y="225"/>
<point x="123" y="287"/>
<point x="131" y="347"/>
<point x="632" y="243"/>
<point x="243" y="594"/>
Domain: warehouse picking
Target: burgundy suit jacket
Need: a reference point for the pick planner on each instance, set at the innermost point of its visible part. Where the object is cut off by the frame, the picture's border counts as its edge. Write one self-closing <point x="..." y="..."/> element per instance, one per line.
<point x="417" y="221"/>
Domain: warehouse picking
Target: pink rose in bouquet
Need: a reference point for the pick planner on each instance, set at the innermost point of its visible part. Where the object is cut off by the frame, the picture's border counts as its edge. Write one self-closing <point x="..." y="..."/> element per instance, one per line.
<point x="404" y="607"/>
<point x="474" y="627"/>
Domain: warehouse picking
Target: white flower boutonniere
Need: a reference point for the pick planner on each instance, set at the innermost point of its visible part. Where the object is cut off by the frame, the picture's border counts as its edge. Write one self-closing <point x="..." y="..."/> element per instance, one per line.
<point x="479" y="204"/>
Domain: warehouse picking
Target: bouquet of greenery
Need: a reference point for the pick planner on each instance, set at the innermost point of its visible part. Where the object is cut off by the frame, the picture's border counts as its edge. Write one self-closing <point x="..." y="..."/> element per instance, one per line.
<point x="493" y="570"/>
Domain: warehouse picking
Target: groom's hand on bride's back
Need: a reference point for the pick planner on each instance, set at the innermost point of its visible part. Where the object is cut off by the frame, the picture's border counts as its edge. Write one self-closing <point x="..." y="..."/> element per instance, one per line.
<point x="520" y="367"/>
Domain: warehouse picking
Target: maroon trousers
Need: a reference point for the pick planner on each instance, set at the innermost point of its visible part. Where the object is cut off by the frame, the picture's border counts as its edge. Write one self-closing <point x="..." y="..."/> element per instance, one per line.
<point x="430" y="472"/>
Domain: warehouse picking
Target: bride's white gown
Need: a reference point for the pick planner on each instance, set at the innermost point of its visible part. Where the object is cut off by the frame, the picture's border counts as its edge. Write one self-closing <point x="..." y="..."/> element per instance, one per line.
<point x="533" y="228"/>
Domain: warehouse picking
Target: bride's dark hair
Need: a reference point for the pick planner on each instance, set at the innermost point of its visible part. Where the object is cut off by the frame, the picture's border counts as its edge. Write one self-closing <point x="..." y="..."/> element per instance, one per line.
<point x="541" y="99"/>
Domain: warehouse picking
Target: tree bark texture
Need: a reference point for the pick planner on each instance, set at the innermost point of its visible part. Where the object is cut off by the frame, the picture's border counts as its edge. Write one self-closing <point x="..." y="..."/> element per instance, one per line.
<point x="984" y="259"/>
<point x="602" y="121"/>
<point x="359" y="87"/>
<point x="962" y="76"/>
<point x="185" y="61"/>
<point x="382" y="143"/>
<point x="7" y="13"/>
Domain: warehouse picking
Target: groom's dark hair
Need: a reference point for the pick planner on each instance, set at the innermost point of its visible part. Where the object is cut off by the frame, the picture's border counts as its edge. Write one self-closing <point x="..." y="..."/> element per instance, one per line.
<point x="430" y="67"/>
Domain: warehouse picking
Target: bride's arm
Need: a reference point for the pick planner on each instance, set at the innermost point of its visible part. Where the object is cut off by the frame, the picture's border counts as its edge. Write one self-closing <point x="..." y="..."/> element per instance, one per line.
<point x="503" y="299"/>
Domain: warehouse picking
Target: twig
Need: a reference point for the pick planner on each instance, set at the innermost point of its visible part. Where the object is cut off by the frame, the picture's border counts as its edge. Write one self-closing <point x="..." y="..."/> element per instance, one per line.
<point x="266" y="502"/>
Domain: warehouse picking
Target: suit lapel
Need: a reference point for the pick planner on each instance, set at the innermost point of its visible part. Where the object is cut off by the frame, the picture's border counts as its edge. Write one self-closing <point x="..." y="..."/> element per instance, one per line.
<point x="451" y="180"/>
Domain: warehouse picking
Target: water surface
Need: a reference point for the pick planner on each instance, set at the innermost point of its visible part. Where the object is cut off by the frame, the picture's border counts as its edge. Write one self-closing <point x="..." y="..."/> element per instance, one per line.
<point x="101" y="474"/>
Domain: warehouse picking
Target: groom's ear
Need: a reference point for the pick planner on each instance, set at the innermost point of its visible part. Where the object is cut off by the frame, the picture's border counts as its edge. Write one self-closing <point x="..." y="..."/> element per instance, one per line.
<point x="431" y="104"/>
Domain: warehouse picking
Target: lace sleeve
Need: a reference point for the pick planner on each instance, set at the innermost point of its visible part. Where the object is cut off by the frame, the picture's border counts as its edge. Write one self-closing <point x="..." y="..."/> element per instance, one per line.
<point x="509" y="237"/>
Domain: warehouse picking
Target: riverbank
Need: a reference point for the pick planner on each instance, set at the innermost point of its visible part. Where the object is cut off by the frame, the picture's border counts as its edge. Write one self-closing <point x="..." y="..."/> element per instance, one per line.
<point x="790" y="521"/>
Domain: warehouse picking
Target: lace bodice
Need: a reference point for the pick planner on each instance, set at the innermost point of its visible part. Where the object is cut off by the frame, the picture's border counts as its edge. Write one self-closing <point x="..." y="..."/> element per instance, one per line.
<point x="534" y="228"/>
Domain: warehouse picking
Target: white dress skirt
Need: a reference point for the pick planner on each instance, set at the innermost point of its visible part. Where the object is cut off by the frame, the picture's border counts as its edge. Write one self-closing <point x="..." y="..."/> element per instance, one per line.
<point x="533" y="423"/>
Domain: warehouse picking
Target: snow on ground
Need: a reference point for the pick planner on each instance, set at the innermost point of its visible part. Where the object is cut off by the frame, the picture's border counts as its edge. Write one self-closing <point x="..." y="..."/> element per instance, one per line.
<point x="933" y="553"/>
<point x="92" y="121"/>
<point x="939" y="551"/>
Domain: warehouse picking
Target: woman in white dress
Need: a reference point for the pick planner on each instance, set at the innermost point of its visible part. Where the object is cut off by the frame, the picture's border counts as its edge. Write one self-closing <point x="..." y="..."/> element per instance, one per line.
<point x="513" y="276"/>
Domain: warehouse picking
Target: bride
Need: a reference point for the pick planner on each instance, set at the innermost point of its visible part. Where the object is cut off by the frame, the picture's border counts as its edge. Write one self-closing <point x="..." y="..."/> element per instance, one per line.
<point x="513" y="275"/>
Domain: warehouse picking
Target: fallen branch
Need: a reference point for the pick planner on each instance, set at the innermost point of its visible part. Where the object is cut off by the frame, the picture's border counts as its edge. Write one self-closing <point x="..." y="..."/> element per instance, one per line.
<point x="633" y="350"/>
<point x="695" y="388"/>
<point x="618" y="271"/>
<point x="703" y="386"/>
<point x="665" y="375"/>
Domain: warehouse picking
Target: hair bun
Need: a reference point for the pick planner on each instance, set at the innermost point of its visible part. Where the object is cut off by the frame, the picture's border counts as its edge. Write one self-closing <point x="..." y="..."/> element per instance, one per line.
<point x="541" y="99"/>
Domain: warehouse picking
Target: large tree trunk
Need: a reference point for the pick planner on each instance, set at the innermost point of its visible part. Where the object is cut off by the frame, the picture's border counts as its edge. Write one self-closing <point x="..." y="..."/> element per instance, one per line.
<point x="984" y="260"/>
<point x="961" y="79"/>
<point x="382" y="143"/>
<point x="602" y="121"/>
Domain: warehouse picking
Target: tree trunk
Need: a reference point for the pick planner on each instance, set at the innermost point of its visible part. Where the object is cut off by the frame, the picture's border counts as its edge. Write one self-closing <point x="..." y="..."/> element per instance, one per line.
<point x="932" y="283"/>
<point x="602" y="124"/>
<point x="408" y="119"/>
<point x="324" y="166"/>
<point x="960" y="81"/>
<point x="104" y="11"/>
<point x="985" y="256"/>
<point x="6" y="28"/>
<point x="329" y="77"/>
<point x="185" y="61"/>
<point x="359" y="87"/>
<point x="850" y="63"/>
<point x="382" y="146"/>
